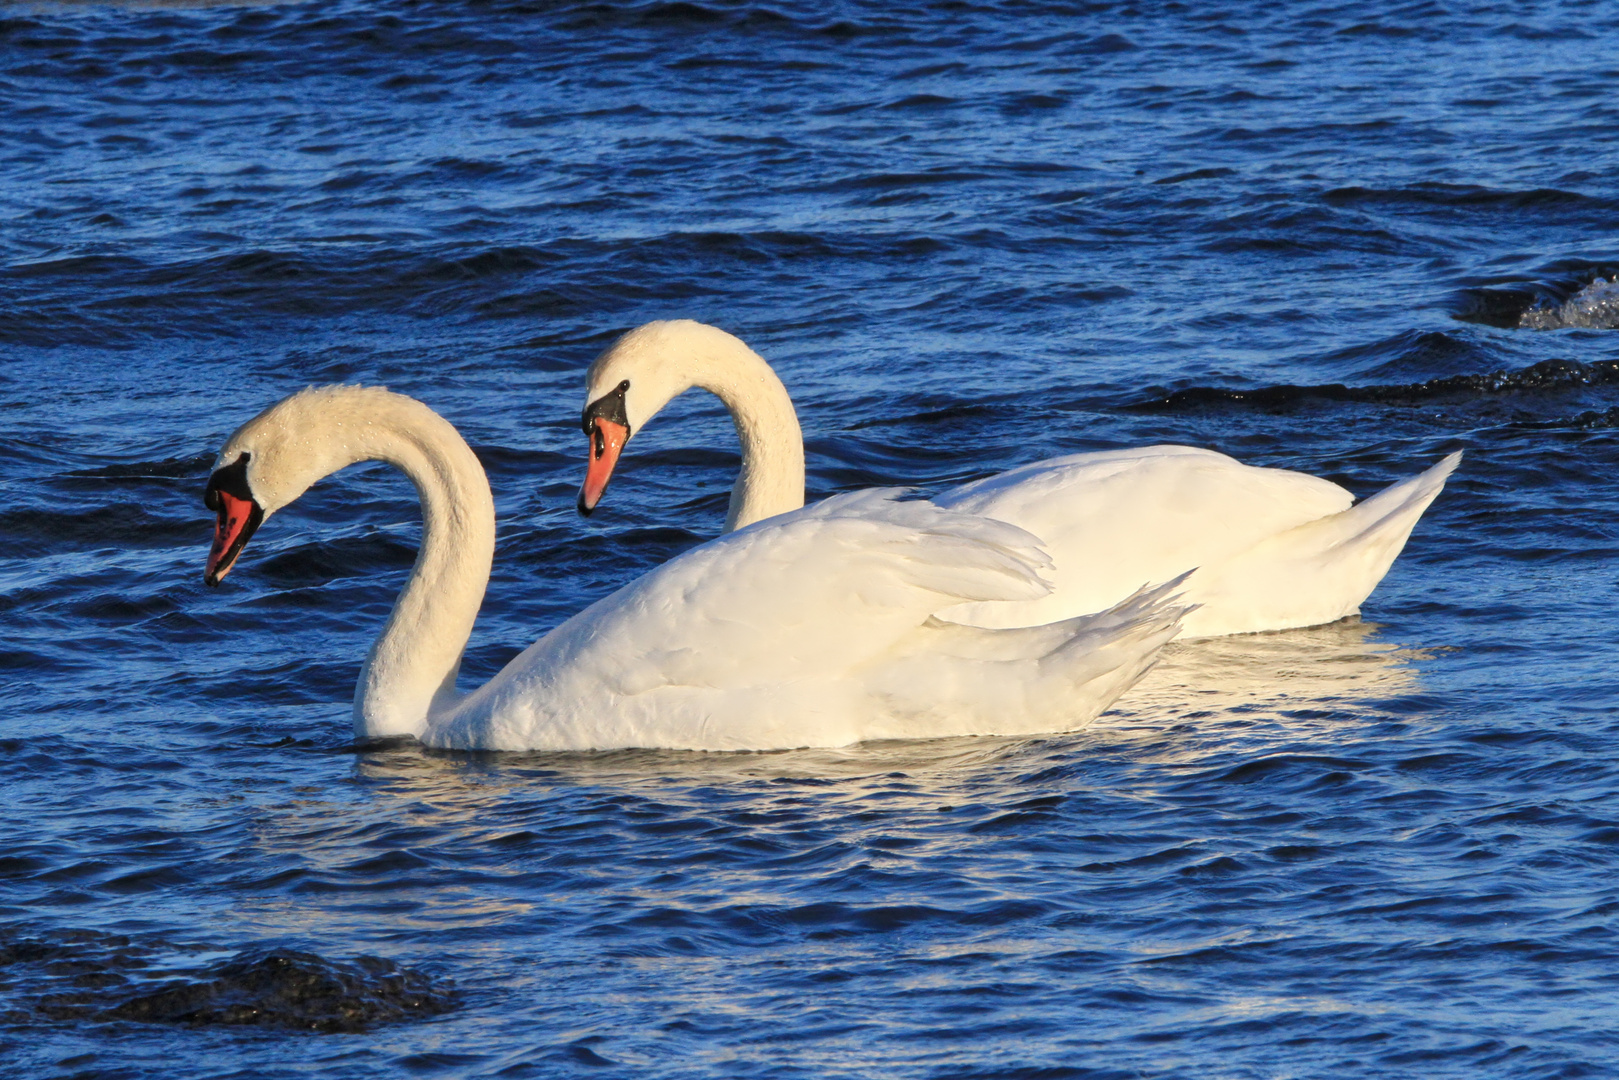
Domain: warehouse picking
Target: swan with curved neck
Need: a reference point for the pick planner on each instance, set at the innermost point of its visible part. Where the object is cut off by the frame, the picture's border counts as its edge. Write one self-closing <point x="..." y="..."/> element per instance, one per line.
<point x="1272" y="549"/>
<point x="812" y="629"/>
<point x="669" y="358"/>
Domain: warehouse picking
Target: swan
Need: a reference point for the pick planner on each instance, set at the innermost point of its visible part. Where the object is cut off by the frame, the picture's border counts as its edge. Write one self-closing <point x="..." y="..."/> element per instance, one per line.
<point x="814" y="628"/>
<point x="1272" y="549"/>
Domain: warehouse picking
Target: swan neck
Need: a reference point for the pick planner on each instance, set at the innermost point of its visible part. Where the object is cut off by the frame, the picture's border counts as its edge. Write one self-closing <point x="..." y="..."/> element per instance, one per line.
<point x="771" y="480"/>
<point x="409" y="677"/>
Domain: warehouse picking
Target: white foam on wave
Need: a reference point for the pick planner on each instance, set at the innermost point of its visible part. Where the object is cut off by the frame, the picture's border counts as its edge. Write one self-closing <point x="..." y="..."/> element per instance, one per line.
<point x="1595" y="307"/>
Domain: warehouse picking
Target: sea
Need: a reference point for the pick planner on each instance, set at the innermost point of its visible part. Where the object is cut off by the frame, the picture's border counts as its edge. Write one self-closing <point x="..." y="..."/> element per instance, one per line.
<point x="1341" y="237"/>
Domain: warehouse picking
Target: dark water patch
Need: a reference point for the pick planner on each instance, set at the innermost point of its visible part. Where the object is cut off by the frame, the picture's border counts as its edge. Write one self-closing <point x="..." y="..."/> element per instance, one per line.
<point x="921" y="101"/>
<point x="483" y="264"/>
<point x="1502" y="307"/>
<point x="328" y="560"/>
<point x="223" y="295"/>
<point x="1548" y="376"/>
<point x="1593" y="420"/>
<point x="671" y="16"/>
<point x="913" y="409"/>
<point x="190" y="468"/>
<point x="22" y="532"/>
<point x="92" y="977"/>
<point x="887" y="181"/>
<point x="1196" y="174"/>
<point x="1286" y="769"/>
<point x="1464" y="196"/>
<point x="1423" y="354"/>
<point x="1032" y="104"/>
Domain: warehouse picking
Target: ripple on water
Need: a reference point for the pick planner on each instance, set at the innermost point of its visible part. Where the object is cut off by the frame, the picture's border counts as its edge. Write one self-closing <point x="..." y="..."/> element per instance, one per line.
<point x="968" y="236"/>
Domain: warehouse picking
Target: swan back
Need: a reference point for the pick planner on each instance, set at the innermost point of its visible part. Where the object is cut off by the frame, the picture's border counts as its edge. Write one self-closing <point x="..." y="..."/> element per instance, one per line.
<point x="1272" y="548"/>
<point x="814" y="629"/>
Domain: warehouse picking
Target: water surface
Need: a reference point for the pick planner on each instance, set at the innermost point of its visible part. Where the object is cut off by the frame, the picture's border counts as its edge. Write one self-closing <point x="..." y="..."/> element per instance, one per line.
<point x="969" y="235"/>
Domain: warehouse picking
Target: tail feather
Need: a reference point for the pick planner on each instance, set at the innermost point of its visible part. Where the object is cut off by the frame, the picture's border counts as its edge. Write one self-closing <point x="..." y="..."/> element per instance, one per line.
<point x="958" y="679"/>
<point x="1108" y="651"/>
<point x="1148" y="603"/>
<point x="1322" y="570"/>
<point x="1390" y="515"/>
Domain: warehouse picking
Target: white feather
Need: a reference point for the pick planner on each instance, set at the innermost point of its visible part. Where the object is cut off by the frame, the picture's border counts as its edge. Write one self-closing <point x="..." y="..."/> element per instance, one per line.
<point x="1271" y="549"/>
<point x="815" y="628"/>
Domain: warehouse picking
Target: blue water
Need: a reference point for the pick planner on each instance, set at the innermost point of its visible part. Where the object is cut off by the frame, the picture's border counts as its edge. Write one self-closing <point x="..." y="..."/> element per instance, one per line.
<point x="969" y="235"/>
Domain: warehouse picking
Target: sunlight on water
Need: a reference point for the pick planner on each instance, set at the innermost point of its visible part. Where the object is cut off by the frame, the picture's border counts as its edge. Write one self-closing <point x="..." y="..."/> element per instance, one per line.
<point x="1335" y="667"/>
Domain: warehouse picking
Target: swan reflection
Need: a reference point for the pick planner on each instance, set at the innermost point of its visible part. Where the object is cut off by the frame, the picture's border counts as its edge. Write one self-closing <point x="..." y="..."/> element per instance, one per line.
<point x="1319" y="667"/>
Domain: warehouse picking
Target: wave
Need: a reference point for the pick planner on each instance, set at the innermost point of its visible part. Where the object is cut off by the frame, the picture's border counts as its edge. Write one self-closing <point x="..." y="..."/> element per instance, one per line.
<point x="26" y="530"/>
<point x="1452" y="196"/>
<point x="1507" y="302"/>
<point x="208" y="294"/>
<point x="1546" y="375"/>
<point x="1595" y="307"/>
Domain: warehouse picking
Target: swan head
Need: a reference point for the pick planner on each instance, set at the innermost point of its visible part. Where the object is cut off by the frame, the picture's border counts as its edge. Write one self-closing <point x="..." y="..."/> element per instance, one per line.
<point x="275" y="457"/>
<point x="230" y="496"/>
<point x="635" y="377"/>
<point x="607" y="426"/>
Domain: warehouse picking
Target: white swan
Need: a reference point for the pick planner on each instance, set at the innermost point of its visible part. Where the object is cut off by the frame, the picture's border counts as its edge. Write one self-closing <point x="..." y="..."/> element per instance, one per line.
<point x="1272" y="549"/>
<point x="812" y="629"/>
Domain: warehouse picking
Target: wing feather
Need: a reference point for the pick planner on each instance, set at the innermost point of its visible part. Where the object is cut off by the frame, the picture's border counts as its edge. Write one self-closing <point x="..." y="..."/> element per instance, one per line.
<point x="804" y="599"/>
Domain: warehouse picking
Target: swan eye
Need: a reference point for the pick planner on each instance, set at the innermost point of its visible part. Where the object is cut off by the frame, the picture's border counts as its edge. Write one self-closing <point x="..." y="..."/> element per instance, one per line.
<point x="231" y="479"/>
<point x="610" y="407"/>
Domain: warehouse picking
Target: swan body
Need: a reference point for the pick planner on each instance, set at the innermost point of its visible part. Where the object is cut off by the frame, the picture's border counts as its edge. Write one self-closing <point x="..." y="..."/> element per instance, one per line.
<point x="1274" y="549"/>
<point x="814" y="628"/>
<point x="1271" y="549"/>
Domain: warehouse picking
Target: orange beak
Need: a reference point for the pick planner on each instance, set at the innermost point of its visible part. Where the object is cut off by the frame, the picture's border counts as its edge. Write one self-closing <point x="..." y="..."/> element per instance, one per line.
<point x="606" y="441"/>
<point x="238" y="518"/>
